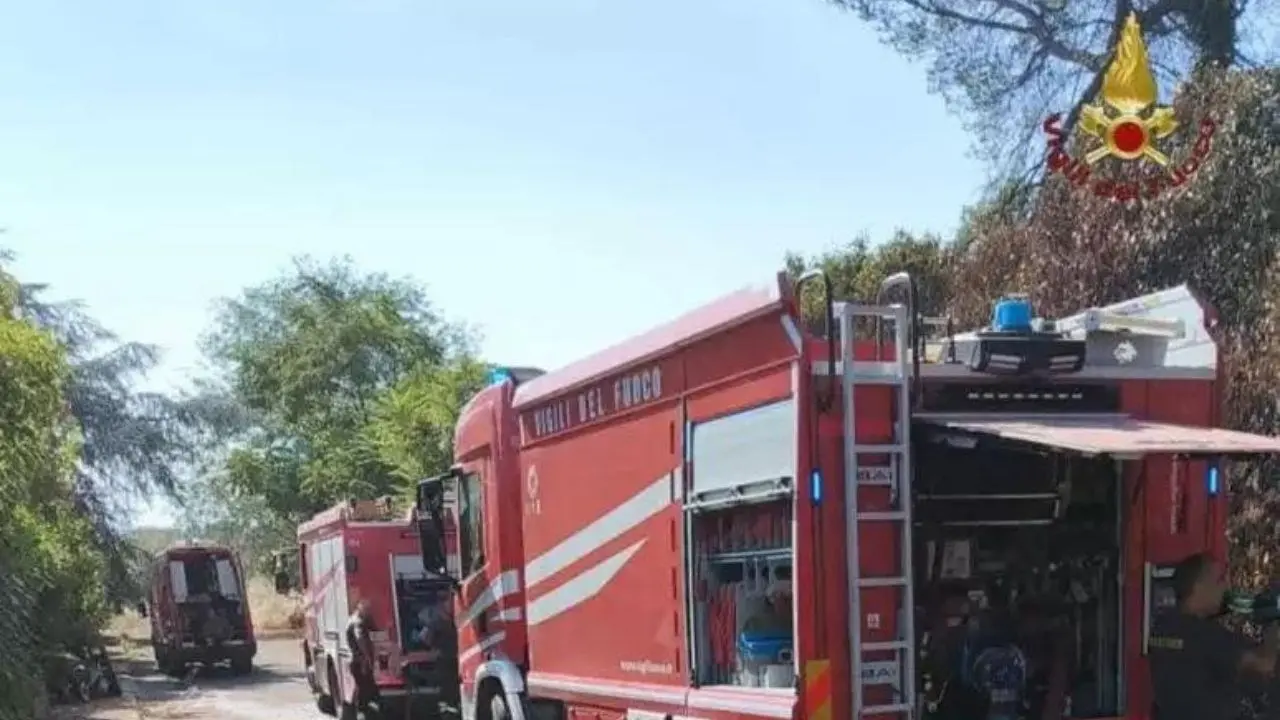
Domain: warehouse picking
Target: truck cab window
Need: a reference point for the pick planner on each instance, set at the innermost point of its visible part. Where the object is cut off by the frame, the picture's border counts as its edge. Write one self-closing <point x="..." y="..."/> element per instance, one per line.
<point x="471" y="522"/>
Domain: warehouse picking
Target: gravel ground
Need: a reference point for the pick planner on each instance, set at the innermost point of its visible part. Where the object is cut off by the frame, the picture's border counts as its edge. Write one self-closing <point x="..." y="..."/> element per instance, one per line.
<point x="276" y="690"/>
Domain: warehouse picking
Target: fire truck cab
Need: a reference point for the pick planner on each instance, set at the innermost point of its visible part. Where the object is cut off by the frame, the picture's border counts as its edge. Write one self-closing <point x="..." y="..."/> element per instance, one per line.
<point x="736" y="515"/>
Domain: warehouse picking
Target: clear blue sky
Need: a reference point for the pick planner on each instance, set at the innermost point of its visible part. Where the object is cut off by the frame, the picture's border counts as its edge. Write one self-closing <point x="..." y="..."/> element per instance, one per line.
<point x="561" y="173"/>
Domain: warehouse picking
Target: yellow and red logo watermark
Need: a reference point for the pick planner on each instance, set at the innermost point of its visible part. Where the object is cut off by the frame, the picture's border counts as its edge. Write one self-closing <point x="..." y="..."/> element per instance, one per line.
<point x="1127" y="126"/>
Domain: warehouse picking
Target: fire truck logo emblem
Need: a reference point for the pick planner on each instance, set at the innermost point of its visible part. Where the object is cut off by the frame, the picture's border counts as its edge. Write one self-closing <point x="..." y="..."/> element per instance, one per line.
<point x="1130" y="89"/>
<point x="534" y="503"/>
<point x="1126" y="124"/>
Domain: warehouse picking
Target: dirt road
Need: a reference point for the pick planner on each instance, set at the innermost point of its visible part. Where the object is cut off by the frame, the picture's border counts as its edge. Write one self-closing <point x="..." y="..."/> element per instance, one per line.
<point x="276" y="690"/>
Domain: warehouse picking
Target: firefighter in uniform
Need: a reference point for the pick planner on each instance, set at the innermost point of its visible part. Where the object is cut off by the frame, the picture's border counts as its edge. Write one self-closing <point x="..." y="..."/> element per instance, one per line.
<point x="1197" y="664"/>
<point x="359" y="639"/>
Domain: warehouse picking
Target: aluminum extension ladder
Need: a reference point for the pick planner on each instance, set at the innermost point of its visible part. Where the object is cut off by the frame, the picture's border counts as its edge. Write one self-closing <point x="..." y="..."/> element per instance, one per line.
<point x="897" y="375"/>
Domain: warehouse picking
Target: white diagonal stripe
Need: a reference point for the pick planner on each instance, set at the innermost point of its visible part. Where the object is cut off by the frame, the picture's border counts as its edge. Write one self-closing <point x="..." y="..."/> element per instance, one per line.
<point x="580" y="589"/>
<point x="644" y="505"/>
<point x="505" y="584"/>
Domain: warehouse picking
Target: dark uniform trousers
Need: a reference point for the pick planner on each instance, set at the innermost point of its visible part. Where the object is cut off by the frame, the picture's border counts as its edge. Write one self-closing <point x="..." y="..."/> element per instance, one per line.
<point x="1195" y="668"/>
<point x="366" y="694"/>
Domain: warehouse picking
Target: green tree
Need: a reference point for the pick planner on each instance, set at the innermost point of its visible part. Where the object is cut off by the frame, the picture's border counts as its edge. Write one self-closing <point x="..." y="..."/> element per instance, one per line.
<point x="47" y="560"/>
<point x="133" y="442"/>
<point x="857" y="269"/>
<point x="412" y="426"/>
<point x="334" y="384"/>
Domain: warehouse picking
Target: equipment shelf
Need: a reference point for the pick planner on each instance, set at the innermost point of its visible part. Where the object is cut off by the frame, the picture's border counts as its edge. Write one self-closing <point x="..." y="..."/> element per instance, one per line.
<point x="738" y="556"/>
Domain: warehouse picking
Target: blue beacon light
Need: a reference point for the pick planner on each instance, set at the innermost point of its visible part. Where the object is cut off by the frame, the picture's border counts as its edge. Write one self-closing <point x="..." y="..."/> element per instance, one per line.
<point x="497" y="376"/>
<point x="815" y="486"/>
<point x="1212" y="479"/>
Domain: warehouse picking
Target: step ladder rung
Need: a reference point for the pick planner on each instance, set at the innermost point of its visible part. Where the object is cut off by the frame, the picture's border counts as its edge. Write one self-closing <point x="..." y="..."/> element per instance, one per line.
<point x="879" y="448"/>
<point x="886" y="645"/>
<point x="874" y="582"/>
<point x="883" y="516"/>
<point x="865" y="372"/>
<point x="886" y="709"/>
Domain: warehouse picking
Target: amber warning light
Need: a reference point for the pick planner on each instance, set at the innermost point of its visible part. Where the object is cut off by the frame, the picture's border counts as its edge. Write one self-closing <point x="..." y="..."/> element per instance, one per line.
<point x="1126" y="125"/>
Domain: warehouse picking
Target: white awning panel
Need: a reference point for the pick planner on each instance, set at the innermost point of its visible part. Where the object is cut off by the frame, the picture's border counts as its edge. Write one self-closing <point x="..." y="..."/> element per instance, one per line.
<point x="1110" y="435"/>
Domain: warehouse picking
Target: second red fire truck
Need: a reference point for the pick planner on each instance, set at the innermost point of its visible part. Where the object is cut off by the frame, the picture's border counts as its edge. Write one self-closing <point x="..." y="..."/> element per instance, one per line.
<point x="368" y="551"/>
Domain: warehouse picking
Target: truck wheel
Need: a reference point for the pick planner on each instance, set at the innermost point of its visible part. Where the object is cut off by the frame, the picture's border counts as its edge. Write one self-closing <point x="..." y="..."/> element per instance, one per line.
<point x="241" y="665"/>
<point x="324" y="703"/>
<point x="174" y="668"/>
<point x="164" y="661"/>
<point x="324" y="700"/>
<point x="498" y="707"/>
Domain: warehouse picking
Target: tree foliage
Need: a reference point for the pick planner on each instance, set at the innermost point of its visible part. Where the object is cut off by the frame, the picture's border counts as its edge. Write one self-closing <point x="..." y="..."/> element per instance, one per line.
<point x="51" y="582"/>
<point x="1007" y="64"/>
<point x="334" y="384"/>
<point x="857" y="269"/>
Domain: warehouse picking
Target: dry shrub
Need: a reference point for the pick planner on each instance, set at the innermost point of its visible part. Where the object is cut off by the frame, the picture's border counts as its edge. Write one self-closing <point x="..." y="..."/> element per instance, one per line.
<point x="273" y="613"/>
<point x="129" y="629"/>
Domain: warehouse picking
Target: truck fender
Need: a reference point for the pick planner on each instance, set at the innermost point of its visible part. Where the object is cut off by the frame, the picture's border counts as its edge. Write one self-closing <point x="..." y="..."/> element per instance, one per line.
<point x="510" y="678"/>
<point x="506" y="672"/>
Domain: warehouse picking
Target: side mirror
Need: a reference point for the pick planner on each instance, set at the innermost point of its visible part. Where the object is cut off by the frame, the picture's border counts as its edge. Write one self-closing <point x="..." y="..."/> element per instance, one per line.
<point x="430" y="522"/>
<point x="142" y="609"/>
<point x="282" y="583"/>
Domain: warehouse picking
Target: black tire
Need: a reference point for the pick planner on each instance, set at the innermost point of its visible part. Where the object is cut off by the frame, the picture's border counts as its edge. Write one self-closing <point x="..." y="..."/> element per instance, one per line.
<point x="498" y="709"/>
<point x="242" y="665"/>
<point x="175" y="669"/>
<point x="324" y="701"/>
<point x="165" y="663"/>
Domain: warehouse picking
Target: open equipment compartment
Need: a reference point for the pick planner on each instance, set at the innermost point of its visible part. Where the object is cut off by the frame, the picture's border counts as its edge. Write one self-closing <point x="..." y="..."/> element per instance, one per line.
<point x="1017" y="574"/>
<point x="739" y="519"/>
<point x="742" y="590"/>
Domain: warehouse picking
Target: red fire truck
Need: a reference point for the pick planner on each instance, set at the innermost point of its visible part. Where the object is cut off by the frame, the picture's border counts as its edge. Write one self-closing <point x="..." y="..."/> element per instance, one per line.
<point x="198" y="609"/>
<point x="742" y="514"/>
<point x="366" y="550"/>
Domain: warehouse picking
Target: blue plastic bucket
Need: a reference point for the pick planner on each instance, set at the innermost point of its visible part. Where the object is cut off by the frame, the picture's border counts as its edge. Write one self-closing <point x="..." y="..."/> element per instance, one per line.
<point x="763" y="648"/>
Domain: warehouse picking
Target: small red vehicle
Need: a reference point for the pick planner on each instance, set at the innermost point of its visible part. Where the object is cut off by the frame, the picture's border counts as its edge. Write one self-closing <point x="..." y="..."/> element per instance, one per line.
<point x="365" y="550"/>
<point x="199" y="610"/>
<point x="744" y="515"/>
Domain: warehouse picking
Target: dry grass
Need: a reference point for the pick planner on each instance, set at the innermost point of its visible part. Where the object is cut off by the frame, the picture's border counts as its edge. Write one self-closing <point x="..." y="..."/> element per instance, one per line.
<point x="273" y="616"/>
